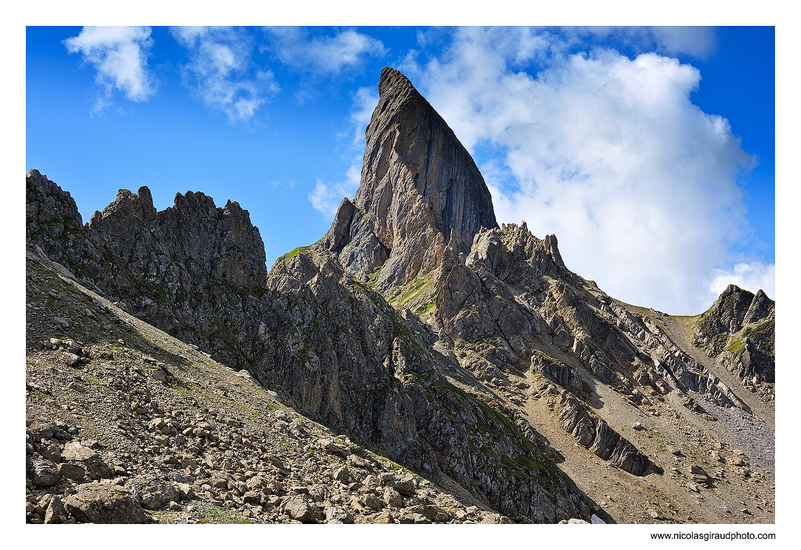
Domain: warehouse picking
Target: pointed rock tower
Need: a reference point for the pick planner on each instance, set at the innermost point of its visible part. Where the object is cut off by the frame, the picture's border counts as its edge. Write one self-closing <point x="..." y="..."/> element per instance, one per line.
<point x="419" y="189"/>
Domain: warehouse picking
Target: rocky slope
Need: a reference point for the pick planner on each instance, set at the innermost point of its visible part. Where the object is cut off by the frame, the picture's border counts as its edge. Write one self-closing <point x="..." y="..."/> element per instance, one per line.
<point x="126" y="424"/>
<point x="466" y="352"/>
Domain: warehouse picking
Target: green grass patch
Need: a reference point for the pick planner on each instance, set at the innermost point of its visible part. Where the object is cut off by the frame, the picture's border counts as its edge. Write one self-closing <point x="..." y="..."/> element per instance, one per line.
<point x="212" y="514"/>
<point x="736" y="345"/>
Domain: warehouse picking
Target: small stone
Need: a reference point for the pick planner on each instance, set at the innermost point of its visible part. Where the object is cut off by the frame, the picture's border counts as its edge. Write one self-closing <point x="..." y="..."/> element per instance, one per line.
<point x="342" y="475"/>
<point x="52" y="453"/>
<point x="575" y="521"/>
<point x="371" y="501"/>
<point x="393" y="498"/>
<point x="158" y="375"/>
<point x="219" y="482"/>
<point x="595" y="520"/>
<point x="406" y="486"/>
<point x="338" y="515"/>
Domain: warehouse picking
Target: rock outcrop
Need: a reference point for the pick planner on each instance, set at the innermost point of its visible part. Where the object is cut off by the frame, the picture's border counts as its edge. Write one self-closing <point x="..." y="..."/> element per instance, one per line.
<point x="419" y="189"/>
<point x="739" y="330"/>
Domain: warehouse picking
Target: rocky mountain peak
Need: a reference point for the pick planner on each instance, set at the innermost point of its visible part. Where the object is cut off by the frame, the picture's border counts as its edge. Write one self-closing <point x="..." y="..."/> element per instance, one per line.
<point x="418" y="186"/>
<point x="734" y="309"/>
<point x="392" y="81"/>
<point x="126" y="214"/>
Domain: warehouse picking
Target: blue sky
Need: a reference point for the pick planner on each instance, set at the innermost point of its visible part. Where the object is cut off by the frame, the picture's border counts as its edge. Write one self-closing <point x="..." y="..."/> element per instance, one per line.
<point x="649" y="152"/>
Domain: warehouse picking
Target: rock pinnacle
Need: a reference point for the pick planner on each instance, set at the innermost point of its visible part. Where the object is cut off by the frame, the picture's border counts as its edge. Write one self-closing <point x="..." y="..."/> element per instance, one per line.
<point x="418" y="186"/>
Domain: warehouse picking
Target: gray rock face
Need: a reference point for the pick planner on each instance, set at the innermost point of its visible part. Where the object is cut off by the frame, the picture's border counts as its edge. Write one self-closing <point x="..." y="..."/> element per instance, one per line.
<point x="733" y="309"/>
<point x="194" y="269"/>
<point x="418" y="186"/>
<point x="221" y="242"/>
<point x="53" y="222"/>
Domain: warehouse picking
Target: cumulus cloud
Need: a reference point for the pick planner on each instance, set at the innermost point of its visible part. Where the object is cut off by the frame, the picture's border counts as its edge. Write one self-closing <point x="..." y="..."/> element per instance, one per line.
<point x="322" y="55"/>
<point x="119" y="55"/>
<point x="221" y="72"/>
<point x="749" y="276"/>
<point x="326" y="197"/>
<point x="604" y="151"/>
<point x="698" y="42"/>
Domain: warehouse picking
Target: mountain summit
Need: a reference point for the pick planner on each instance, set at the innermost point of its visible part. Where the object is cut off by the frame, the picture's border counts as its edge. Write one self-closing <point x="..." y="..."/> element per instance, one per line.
<point x="418" y="329"/>
<point x="419" y="189"/>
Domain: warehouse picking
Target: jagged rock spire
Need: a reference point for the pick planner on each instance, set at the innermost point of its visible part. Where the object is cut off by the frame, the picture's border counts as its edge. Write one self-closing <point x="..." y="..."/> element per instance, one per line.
<point x="418" y="185"/>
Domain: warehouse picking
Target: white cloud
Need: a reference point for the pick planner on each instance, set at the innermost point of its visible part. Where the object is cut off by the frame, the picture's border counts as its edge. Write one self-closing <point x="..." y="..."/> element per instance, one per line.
<point x="221" y="72"/>
<point x="326" y="197"/>
<point x="749" y="276"/>
<point x="323" y="55"/>
<point x="119" y="55"/>
<point x="604" y="151"/>
<point x="282" y="184"/>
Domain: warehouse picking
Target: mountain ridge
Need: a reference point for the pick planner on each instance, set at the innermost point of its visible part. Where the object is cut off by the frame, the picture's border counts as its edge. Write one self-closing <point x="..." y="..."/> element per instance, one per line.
<point x="418" y="326"/>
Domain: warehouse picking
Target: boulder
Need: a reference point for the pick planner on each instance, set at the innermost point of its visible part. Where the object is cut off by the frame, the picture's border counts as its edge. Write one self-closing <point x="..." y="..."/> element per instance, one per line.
<point x="299" y="508"/>
<point x="153" y="493"/>
<point x="101" y="503"/>
<point x="44" y="473"/>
